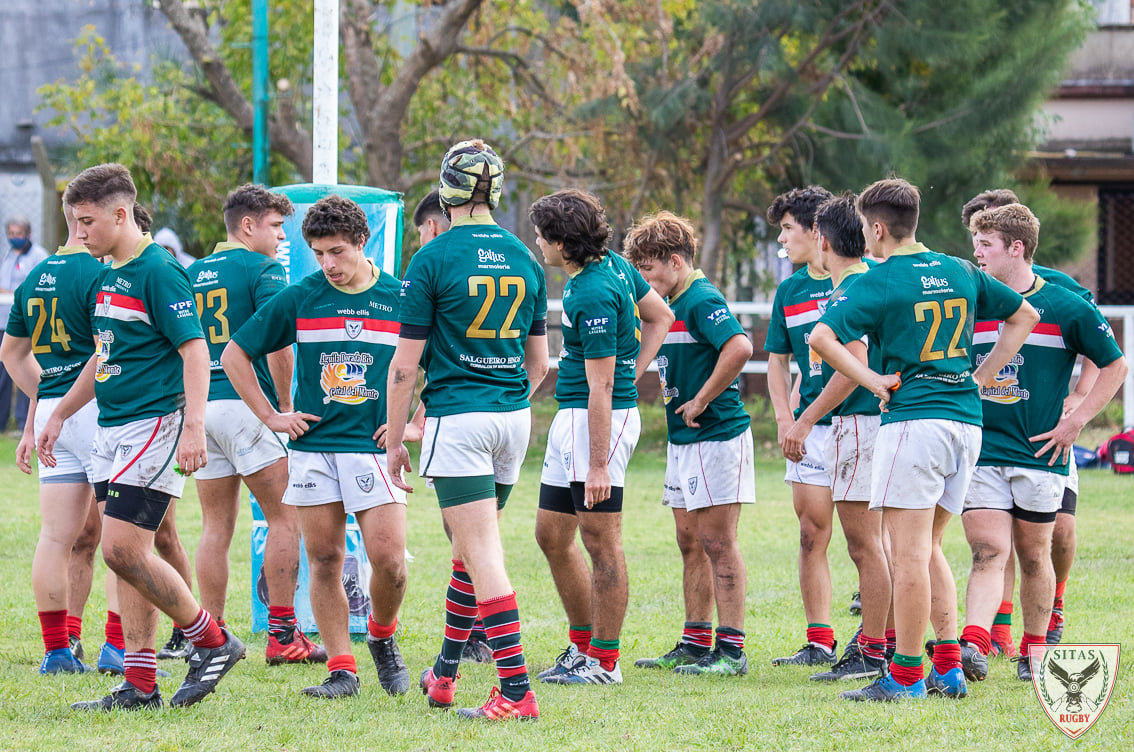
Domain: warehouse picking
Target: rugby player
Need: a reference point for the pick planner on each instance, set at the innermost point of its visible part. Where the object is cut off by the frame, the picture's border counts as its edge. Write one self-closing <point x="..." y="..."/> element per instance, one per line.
<point x="343" y="319"/>
<point x="1016" y="491"/>
<point x="709" y="469"/>
<point x="918" y="306"/>
<point x="800" y="301"/>
<point x="238" y="278"/>
<point x="595" y="430"/>
<point x="149" y="375"/>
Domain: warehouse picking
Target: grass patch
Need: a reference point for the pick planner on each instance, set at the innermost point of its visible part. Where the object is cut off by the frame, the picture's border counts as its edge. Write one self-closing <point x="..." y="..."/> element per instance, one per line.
<point x="260" y="708"/>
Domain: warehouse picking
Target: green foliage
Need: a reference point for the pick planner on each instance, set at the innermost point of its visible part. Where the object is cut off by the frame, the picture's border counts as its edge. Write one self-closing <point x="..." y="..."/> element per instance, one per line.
<point x="946" y="97"/>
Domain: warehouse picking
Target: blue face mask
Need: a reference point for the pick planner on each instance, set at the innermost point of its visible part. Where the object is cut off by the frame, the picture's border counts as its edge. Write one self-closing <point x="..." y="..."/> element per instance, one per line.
<point x="18" y="244"/>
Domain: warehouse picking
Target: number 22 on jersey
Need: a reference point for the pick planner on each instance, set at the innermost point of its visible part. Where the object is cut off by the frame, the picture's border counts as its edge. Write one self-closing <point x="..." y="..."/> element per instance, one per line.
<point x="487" y="289"/>
<point x="955" y="309"/>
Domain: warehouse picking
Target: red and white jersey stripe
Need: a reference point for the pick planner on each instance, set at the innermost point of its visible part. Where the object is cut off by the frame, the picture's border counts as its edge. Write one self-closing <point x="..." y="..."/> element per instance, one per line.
<point x="115" y="305"/>
<point x="1043" y="335"/>
<point x="807" y="312"/>
<point x="679" y="335"/>
<point x="346" y="329"/>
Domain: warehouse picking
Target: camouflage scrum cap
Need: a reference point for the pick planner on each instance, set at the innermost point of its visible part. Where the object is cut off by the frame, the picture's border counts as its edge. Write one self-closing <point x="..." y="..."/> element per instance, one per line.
<point x="463" y="165"/>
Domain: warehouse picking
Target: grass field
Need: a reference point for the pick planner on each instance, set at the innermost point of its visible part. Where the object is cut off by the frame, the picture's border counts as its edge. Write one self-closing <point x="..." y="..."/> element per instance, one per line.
<point x="260" y="708"/>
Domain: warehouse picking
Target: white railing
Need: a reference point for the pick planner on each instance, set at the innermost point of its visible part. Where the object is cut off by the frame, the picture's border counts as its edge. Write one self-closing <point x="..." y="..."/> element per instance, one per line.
<point x="1125" y="314"/>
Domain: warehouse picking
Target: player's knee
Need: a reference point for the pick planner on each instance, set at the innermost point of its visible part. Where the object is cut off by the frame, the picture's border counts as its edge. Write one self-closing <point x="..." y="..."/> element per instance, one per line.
<point x="987" y="555"/>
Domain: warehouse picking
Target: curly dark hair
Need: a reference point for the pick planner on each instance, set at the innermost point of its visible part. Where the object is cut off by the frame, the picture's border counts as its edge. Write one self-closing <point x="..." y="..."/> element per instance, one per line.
<point x="251" y="200"/>
<point x="334" y="215"/>
<point x="577" y="220"/>
<point x="837" y="220"/>
<point x="800" y="203"/>
<point x="142" y="218"/>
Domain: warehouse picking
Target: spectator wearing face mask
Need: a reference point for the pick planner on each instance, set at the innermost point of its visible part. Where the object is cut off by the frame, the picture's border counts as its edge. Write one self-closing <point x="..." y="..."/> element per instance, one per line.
<point x="16" y="259"/>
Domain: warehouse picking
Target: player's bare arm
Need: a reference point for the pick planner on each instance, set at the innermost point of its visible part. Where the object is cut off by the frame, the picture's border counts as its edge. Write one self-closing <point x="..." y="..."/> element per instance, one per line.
<point x="1016" y="329"/>
<point x="834" y="394"/>
<point x="26" y="448"/>
<point x="730" y="362"/>
<point x="238" y="367"/>
<point x="191" y="453"/>
<point x="16" y="354"/>
<point x="535" y="361"/>
<point x="779" y="391"/>
<point x="1088" y="373"/>
<point x="80" y="393"/>
<point x="657" y="318"/>
<point x="281" y="367"/>
<point x="1062" y="438"/>
<point x="399" y="394"/>
<point x="840" y="357"/>
<point x="600" y="382"/>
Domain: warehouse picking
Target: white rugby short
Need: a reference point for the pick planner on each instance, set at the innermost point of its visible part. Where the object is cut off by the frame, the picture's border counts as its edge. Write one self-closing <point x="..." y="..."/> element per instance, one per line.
<point x="357" y="479"/>
<point x="568" y="456"/>
<point x="1022" y="487"/>
<point x="812" y="469"/>
<point x="237" y="441"/>
<point x="1072" y="479"/>
<point x="470" y="445"/>
<point x="710" y="473"/>
<point x="919" y="464"/>
<point x="142" y="453"/>
<point x="73" y="447"/>
<point x="850" y="455"/>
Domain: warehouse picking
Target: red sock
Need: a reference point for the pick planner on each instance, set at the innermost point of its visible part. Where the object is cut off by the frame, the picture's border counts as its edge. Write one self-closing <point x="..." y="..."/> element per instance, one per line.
<point x="580" y="637"/>
<point x="947" y="655"/>
<point x="606" y="657"/>
<point x="891" y="639"/>
<point x="906" y="675"/>
<point x="141" y="670"/>
<point x="1059" y="588"/>
<point x="1028" y="640"/>
<point x="53" y="625"/>
<point x="821" y="634"/>
<point x="204" y="632"/>
<point x="873" y="647"/>
<point x="114" y="636"/>
<point x="380" y="631"/>
<point x="978" y="637"/>
<point x="75" y="626"/>
<point x="344" y="662"/>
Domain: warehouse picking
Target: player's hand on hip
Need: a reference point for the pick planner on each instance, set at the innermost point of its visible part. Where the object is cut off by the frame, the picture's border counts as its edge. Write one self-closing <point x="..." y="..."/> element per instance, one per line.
<point x="1059" y="441"/>
<point x="46" y="442"/>
<point x="293" y="424"/>
<point x="883" y="387"/>
<point x="597" y="488"/>
<point x="398" y="463"/>
<point x="690" y="411"/>
<point x="380" y="436"/>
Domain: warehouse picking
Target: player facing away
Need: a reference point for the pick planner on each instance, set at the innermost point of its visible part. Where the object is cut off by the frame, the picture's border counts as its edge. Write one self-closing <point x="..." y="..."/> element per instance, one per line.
<point x="238" y="278"/>
<point x="800" y="301"/>
<point x="849" y="450"/>
<point x="1063" y="540"/>
<point x="430" y="219"/>
<point x="149" y="375"/>
<point x="47" y="342"/>
<point x="595" y="430"/>
<point x="919" y="307"/>
<point x="474" y="314"/>
<point x="343" y="320"/>
<point x="1016" y="490"/>
<point x="709" y="467"/>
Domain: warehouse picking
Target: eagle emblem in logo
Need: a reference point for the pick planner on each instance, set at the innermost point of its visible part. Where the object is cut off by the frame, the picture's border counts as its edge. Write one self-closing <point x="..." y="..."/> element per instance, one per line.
<point x="693" y="485"/>
<point x="365" y="482"/>
<point x="353" y="328"/>
<point x="1074" y="683"/>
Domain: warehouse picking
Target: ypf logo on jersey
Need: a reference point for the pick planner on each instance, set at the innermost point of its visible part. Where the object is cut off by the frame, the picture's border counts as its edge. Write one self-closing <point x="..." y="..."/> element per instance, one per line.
<point x="1074" y="683"/>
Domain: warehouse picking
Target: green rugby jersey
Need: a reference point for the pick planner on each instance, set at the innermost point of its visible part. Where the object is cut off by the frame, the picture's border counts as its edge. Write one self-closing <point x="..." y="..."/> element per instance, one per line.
<point x="861" y="401"/>
<point x="230" y="285"/>
<point x="53" y="307"/>
<point x="920" y="308"/>
<point x="1056" y="277"/>
<point x="1027" y="398"/>
<point x="475" y="293"/>
<point x="702" y="324"/>
<point x="144" y="312"/>
<point x="800" y="301"/>
<point x="345" y="340"/>
<point x="599" y="321"/>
